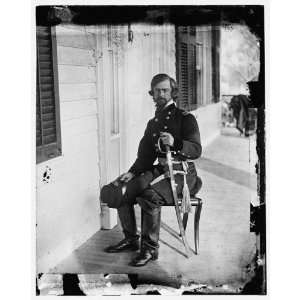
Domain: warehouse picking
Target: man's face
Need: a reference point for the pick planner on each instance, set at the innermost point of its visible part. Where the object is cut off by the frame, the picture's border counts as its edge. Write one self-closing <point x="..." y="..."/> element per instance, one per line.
<point x="162" y="93"/>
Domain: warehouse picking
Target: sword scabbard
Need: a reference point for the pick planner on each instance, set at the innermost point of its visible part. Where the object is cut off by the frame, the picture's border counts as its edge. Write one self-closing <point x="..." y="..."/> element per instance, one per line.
<point x="175" y="197"/>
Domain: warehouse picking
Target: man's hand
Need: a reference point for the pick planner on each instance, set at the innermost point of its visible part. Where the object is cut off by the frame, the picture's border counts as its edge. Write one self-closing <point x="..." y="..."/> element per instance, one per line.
<point x="167" y="138"/>
<point x="126" y="177"/>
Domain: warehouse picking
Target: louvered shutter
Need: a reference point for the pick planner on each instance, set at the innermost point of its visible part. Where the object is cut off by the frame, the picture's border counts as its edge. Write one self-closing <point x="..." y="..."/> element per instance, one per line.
<point x="183" y="76"/>
<point x="216" y="64"/>
<point x="186" y="66"/>
<point x="192" y="74"/>
<point x="47" y="112"/>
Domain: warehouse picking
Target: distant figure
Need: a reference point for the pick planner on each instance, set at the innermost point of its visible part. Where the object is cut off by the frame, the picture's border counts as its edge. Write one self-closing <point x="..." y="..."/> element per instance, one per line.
<point x="240" y="107"/>
<point x="227" y="116"/>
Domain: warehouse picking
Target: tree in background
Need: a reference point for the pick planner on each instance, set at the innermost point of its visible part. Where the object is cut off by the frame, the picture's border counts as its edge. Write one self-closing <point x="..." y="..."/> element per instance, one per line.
<point x="240" y="59"/>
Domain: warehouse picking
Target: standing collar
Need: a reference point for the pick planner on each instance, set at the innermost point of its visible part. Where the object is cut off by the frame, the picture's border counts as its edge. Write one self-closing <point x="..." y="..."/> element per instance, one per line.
<point x="169" y="106"/>
<point x="169" y="103"/>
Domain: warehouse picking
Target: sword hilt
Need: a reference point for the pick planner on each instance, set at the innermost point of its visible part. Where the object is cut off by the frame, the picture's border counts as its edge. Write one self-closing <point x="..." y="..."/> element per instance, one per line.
<point x="168" y="149"/>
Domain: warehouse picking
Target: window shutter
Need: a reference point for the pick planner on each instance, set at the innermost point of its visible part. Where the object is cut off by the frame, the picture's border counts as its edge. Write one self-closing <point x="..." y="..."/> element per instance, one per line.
<point x="192" y="74"/>
<point x="47" y="115"/>
<point x="183" y="76"/>
<point x="186" y="66"/>
<point x="38" y="116"/>
<point x="216" y="64"/>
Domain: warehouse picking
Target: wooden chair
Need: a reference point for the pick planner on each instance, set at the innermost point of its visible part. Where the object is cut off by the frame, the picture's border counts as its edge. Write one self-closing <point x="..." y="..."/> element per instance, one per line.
<point x="197" y="202"/>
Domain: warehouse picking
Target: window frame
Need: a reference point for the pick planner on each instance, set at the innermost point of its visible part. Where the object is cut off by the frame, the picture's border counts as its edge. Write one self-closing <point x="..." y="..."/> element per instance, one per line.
<point x="200" y="73"/>
<point x="54" y="149"/>
<point x="206" y="88"/>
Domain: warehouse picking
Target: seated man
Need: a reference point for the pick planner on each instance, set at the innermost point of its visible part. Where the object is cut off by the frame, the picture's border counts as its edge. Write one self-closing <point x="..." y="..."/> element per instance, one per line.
<point x="179" y="130"/>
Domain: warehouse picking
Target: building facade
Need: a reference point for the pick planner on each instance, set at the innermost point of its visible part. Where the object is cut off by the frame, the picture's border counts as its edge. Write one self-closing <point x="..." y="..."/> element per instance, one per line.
<point x="92" y="109"/>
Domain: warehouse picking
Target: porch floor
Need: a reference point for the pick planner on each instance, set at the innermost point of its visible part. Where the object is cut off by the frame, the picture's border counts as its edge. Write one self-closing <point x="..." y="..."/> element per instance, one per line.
<point x="226" y="244"/>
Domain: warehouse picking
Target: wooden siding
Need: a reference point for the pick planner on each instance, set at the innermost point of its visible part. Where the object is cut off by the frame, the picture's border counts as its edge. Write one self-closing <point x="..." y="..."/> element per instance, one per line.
<point x="78" y="109"/>
<point x="76" y="74"/>
<point x="67" y="204"/>
<point x="75" y="56"/>
<point x="71" y="92"/>
<point x="75" y="38"/>
<point x="79" y="126"/>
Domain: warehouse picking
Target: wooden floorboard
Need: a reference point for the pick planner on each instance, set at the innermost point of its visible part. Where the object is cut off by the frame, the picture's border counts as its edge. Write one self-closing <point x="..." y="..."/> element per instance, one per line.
<point x="90" y="258"/>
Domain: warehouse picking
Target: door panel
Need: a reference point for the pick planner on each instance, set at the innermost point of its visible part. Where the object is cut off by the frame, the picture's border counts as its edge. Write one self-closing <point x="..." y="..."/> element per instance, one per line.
<point x="111" y="93"/>
<point x="114" y="159"/>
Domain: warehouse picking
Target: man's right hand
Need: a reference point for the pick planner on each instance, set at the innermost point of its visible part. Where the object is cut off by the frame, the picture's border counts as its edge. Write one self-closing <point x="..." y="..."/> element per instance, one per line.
<point x="126" y="177"/>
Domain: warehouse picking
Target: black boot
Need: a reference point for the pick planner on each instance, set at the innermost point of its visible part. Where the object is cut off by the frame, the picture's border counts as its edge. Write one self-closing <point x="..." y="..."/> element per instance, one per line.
<point x="128" y="223"/>
<point x="126" y="244"/>
<point x="150" y="237"/>
<point x="144" y="257"/>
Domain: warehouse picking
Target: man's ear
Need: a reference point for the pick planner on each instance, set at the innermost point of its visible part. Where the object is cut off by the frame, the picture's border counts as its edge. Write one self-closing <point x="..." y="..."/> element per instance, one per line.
<point x="175" y="93"/>
<point x="150" y="93"/>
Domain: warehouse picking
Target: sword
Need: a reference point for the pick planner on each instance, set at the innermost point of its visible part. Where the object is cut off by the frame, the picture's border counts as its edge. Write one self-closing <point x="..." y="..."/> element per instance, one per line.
<point x="177" y="209"/>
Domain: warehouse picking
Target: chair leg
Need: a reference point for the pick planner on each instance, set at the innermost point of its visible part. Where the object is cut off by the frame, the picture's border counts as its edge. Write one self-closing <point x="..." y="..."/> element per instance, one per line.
<point x="184" y="221"/>
<point x="196" y="224"/>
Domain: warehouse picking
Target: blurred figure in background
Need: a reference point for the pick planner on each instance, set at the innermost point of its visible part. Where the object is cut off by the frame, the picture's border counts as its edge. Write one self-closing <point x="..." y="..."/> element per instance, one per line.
<point x="244" y="115"/>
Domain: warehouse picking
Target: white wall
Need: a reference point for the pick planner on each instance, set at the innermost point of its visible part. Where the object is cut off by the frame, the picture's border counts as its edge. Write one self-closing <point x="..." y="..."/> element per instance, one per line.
<point x="204" y="36"/>
<point x="209" y="115"/>
<point x="68" y="205"/>
<point x="209" y="122"/>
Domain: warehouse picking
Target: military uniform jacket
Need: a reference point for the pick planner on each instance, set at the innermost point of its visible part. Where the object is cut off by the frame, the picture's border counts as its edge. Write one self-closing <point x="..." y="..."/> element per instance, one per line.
<point x="187" y="146"/>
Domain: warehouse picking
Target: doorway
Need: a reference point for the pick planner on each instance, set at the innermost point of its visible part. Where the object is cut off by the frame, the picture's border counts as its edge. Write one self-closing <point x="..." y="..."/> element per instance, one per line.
<point x="110" y="89"/>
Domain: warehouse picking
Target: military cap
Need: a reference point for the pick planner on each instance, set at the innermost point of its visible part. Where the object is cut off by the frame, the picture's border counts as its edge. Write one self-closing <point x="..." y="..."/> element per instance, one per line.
<point x="116" y="192"/>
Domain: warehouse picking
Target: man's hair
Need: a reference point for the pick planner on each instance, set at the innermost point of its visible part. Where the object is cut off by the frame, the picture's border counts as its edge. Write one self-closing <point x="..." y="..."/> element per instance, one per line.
<point x="162" y="77"/>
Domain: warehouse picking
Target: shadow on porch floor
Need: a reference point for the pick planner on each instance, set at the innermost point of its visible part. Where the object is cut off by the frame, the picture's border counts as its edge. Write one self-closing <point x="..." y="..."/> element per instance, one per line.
<point x="171" y="269"/>
<point x="90" y="258"/>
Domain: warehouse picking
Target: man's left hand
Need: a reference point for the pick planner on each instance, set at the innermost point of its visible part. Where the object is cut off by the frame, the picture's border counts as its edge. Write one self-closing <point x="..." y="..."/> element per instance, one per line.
<point x="167" y="138"/>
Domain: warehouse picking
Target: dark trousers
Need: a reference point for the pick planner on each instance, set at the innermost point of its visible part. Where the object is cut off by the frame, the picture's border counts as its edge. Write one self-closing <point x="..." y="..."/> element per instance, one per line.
<point x="151" y="199"/>
<point x="150" y="203"/>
